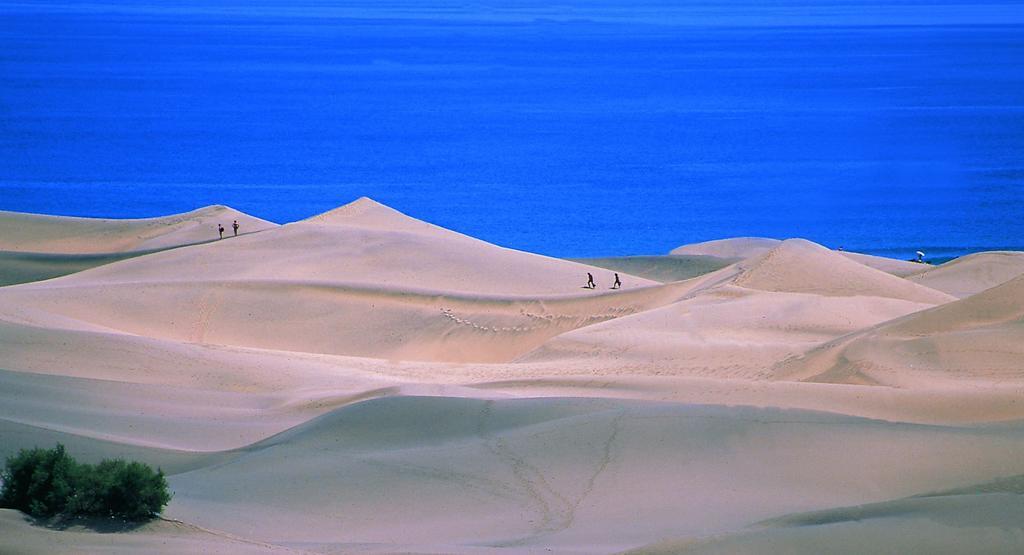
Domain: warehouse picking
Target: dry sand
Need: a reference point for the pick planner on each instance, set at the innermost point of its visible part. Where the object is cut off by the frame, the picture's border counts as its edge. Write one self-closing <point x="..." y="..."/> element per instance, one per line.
<point x="735" y="248"/>
<point x="35" y="247"/>
<point x="973" y="273"/>
<point x="365" y="382"/>
<point x="661" y="268"/>
<point x="20" y="232"/>
<point x="744" y="248"/>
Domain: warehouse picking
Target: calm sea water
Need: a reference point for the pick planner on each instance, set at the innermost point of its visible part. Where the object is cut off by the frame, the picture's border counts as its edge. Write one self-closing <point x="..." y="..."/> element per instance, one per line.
<point x="576" y="129"/>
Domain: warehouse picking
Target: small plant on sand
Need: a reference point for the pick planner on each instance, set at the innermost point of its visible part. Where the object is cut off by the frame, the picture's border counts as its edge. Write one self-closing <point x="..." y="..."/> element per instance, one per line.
<point x="49" y="482"/>
<point x="39" y="481"/>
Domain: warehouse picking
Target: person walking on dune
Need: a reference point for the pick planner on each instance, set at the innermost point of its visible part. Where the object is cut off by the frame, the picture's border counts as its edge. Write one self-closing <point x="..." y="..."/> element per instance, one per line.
<point x="220" y="229"/>
<point x="617" y="283"/>
<point x="590" y="281"/>
<point x="234" y="226"/>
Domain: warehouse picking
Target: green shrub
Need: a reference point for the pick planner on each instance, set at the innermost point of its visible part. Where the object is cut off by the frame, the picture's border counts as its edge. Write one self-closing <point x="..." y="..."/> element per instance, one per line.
<point x="47" y="482"/>
<point x="39" y="481"/>
<point x="128" y="490"/>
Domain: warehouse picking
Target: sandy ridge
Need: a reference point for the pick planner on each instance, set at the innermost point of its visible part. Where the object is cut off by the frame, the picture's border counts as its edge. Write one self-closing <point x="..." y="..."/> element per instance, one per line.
<point x="362" y="381"/>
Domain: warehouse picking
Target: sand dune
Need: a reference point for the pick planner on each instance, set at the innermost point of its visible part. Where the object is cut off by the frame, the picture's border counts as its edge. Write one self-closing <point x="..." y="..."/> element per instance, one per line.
<point x="517" y="476"/>
<point x="38" y="233"/>
<point x="19" y="536"/>
<point x="563" y="473"/>
<point x="362" y="280"/>
<point x="799" y="266"/>
<point x="741" y="248"/>
<point x="983" y="403"/>
<point x="744" y="319"/>
<point x="362" y="381"/>
<point x="979" y="337"/>
<point x="150" y="416"/>
<point x="325" y="317"/>
<point x="25" y="267"/>
<point x="901" y="268"/>
<point x="93" y="449"/>
<point x="919" y="525"/>
<point x="736" y="248"/>
<point x="727" y="332"/>
<point x="35" y="247"/>
<point x="366" y="244"/>
<point x="973" y="273"/>
<point x="665" y="269"/>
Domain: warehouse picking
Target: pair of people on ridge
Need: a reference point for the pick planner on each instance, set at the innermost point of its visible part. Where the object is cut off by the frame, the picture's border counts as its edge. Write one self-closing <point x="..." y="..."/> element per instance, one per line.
<point x="234" y="226"/>
<point x="591" y="285"/>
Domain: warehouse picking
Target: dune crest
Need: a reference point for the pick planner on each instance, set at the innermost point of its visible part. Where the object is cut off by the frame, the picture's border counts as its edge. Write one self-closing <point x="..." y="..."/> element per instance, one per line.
<point x="973" y="273"/>
<point x="328" y="385"/>
<point x="896" y="267"/>
<point x="37" y="233"/>
<point x="741" y="248"/>
<point x="800" y="266"/>
<point x="372" y="282"/>
<point x="560" y="472"/>
<point x="736" y="247"/>
<point x="742" y="320"/>
<point x="725" y="332"/>
<point x="367" y="213"/>
<point x="977" y="338"/>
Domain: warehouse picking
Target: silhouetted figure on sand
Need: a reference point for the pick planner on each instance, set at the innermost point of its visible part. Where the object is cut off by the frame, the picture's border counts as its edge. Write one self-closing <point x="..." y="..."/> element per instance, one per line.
<point x="220" y="229"/>
<point x="617" y="283"/>
<point x="590" y="281"/>
<point x="234" y="226"/>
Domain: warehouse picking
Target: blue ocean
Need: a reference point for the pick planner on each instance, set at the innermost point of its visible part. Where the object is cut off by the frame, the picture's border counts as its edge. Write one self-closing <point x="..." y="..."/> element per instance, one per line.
<point x="570" y="128"/>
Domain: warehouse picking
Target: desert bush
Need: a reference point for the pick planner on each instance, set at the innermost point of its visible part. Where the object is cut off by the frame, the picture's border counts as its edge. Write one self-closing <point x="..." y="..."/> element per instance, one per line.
<point x="123" y="489"/>
<point x="39" y="481"/>
<point x="47" y="482"/>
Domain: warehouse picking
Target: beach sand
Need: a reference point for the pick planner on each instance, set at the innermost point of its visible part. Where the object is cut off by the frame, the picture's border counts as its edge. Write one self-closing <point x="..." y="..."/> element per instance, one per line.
<point x="364" y="382"/>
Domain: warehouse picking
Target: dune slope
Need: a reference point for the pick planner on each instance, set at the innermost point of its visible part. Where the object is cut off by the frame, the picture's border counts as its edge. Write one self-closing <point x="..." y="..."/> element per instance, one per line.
<point x="736" y="247"/>
<point x="39" y="233"/>
<point x="18" y="535"/>
<point x="800" y="266"/>
<point x="563" y="473"/>
<point x="978" y="338"/>
<point x="949" y="524"/>
<point x="362" y="381"/>
<point x="757" y="313"/>
<point x="896" y="267"/>
<point x="35" y="247"/>
<point x="739" y="248"/>
<point x="973" y="273"/>
<point x="726" y="332"/>
<point x="661" y="268"/>
<point x="361" y="280"/>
